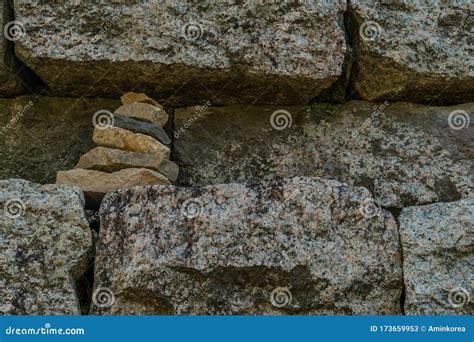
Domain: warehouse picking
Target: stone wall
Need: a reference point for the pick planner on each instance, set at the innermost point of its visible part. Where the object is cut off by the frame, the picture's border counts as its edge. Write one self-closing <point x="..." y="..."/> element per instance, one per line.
<point x="325" y="153"/>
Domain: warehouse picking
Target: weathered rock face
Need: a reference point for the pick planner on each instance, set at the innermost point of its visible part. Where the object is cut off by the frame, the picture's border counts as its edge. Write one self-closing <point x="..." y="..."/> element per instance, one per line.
<point x="417" y="51"/>
<point x="289" y="247"/>
<point x="438" y="258"/>
<point x="186" y="53"/>
<point x="41" y="135"/>
<point x="405" y="154"/>
<point x="46" y="244"/>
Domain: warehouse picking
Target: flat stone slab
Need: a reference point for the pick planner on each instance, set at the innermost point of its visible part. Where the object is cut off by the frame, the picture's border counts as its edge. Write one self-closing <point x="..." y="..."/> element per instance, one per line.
<point x="96" y="184"/>
<point x="405" y="154"/>
<point x="413" y="51"/>
<point x="189" y="53"/>
<point x="438" y="258"/>
<point x="299" y="246"/>
<point x="137" y="126"/>
<point x="115" y="137"/>
<point x="46" y="245"/>
<point x="111" y="160"/>
<point x="145" y="112"/>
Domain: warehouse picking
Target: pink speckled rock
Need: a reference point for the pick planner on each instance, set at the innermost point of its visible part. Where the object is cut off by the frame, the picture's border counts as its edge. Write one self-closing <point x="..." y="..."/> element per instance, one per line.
<point x="240" y="51"/>
<point x="416" y="51"/>
<point x="46" y="244"/>
<point x="439" y="238"/>
<point x="298" y="246"/>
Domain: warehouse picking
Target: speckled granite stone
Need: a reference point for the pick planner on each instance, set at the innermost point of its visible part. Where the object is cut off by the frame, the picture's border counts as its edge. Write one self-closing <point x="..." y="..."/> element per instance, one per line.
<point x="405" y="154"/>
<point x="438" y="258"/>
<point x="46" y="244"/>
<point x="414" y="51"/>
<point x="186" y="52"/>
<point x="298" y="246"/>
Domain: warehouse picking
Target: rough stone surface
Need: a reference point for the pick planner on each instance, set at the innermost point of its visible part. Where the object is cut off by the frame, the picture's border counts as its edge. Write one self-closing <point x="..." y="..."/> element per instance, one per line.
<point x="417" y="51"/>
<point x="46" y="245"/>
<point x="224" y="249"/>
<point x="137" y="126"/>
<point x="96" y="184"/>
<point x="405" y="154"/>
<point x="110" y="160"/>
<point x="144" y="111"/>
<point x="438" y="258"/>
<point x="186" y="53"/>
<point x="120" y="138"/>
<point x="41" y="135"/>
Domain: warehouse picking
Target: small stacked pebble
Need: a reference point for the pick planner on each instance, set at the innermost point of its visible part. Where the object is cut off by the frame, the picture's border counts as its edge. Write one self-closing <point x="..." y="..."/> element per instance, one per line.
<point x="132" y="150"/>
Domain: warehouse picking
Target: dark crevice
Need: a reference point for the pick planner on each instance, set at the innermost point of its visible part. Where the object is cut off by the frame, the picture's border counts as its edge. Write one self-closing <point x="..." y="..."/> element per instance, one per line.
<point x="396" y="214"/>
<point x="84" y="287"/>
<point x="394" y="211"/>
<point x="84" y="284"/>
<point x="402" y="299"/>
<point x="169" y="129"/>
<point x="28" y="81"/>
<point x="351" y="27"/>
<point x="338" y="92"/>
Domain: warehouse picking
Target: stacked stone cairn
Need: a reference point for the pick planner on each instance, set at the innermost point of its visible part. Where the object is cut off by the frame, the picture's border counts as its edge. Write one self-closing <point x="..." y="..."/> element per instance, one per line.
<point x="132" y="150"/>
